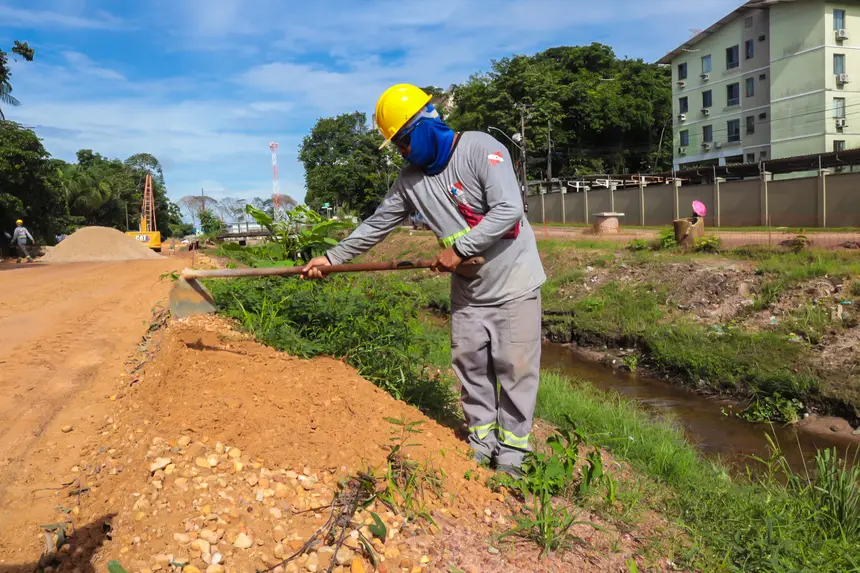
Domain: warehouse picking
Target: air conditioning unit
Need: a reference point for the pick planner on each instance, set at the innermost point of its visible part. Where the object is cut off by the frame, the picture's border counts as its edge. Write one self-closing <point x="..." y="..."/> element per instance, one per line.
<point x="842" y="79"/>
<point x="841" y="122"/>
<point x="718" y="144"/>
<point x="682" y="151"/>
<point x="705" y="77"/>
<point x="682" y="84"/>
<point x="682" y="117"/>
<point x="706" y="146"/>
<point x="841" y="34"/>
<point x="706" y="111"/>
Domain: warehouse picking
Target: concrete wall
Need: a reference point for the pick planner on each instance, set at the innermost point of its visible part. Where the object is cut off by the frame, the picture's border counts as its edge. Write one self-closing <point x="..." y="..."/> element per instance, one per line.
<point x="797" y="202"/>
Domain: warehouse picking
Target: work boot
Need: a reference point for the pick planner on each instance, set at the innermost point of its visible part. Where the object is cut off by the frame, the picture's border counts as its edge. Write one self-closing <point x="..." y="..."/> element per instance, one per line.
<point x="513" y="471"/>
<point x="482" y="459"/>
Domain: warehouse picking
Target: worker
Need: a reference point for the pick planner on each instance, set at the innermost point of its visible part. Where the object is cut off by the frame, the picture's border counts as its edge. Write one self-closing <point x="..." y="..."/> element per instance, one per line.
<point x="465" y="187"/>
<point x="20" y="237"/>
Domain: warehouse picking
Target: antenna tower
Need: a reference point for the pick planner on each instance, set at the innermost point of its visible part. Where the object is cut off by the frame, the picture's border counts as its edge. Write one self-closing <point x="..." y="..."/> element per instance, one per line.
<point x="275" y="187"/>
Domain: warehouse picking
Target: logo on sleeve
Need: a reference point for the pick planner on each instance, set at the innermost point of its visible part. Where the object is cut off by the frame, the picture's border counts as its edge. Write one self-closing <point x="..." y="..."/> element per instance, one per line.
<point x="495" y="158"/>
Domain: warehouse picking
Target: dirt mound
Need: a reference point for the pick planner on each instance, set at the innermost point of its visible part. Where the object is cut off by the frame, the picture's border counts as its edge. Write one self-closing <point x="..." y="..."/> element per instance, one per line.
<point x="226" y="455"/>
<point x="97" y="244"/>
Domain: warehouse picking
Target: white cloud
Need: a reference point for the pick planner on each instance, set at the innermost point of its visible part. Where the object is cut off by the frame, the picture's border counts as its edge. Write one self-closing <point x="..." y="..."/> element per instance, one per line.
<point x="40" y="19"/>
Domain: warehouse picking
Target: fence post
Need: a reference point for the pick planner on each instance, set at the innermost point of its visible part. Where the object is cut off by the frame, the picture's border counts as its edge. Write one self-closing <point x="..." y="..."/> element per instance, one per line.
<point x="765" y="211"/>
<point x="822" y="197"/>
<point x="612" y="187"/>
<point x="717" y="181"/>
<point x="677" y="213"/>
<point x="585" y="195"/>
<point x="641" y="202"/>
<point x="563" y="211"/>
<point x="542" y="205"/>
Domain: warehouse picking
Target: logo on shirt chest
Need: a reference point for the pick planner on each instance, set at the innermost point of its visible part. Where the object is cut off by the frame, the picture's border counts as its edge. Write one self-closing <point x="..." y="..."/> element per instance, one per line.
<point x="457" y="193"/>
<point x="495" y="158"/>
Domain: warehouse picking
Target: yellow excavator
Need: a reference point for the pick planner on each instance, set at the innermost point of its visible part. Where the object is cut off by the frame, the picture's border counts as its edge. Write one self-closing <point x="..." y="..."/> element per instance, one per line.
<point x="147" y="233"/>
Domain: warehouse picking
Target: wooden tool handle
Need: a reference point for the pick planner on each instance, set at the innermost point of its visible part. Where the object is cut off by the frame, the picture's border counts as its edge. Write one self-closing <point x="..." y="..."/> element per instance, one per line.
<point x="331" y="269"/>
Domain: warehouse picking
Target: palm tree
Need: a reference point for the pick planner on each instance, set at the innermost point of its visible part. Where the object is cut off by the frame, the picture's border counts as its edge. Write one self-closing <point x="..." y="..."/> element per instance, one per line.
<point x="7" y="98"/>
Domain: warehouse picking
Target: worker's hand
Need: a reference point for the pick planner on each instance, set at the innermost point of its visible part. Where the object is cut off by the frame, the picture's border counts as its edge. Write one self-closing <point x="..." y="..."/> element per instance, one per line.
<point x="312" y="269"/>
<point x="446" y="261"/>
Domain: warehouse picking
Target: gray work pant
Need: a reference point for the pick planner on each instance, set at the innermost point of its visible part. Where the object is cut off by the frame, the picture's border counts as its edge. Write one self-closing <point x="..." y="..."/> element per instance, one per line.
<point x="496" y="355"/>
<point x="22" y="251"/>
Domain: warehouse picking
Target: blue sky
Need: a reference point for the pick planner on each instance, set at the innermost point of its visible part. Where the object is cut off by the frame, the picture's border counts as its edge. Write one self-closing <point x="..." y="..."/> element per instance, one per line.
<point x="206" y="85"/>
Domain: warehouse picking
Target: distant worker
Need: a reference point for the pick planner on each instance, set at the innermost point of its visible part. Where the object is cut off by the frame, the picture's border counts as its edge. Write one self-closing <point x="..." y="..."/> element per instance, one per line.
<point x="465" y="187"/>
<point x="20" y="237"/>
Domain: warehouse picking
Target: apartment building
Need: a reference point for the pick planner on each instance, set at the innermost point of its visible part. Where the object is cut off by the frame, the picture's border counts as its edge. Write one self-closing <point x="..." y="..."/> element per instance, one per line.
<point x="773" y="79"/>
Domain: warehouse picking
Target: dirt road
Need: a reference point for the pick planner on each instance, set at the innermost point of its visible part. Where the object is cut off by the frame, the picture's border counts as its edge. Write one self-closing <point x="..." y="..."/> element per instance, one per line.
<point x="65" y="331"/>
<point x="729" y="238"/>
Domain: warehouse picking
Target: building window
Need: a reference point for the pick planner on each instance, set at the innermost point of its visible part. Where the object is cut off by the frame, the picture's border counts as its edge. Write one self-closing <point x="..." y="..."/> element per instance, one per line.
<point x="706" y="64"/>
<point x="762" y="155"/>
<point x="750" y="49"/>
<point x="750" y="157"/>
<point x="734" y="129"/>
<point x="683" y="105"/>
<point x="839" y="145"/>
<point x="682" y="71"/>
<point x="685" y="138"/>
<point x="748" y="22"/>
<point x="838" y="19"/>
<point x="750" y="124"/>
<point x="838" y="64"/>
<point x="762" y="76"/>
<point x="732" y="58"/>
<point x="750" y="87"/>
<point x="839" y="107"/>
<point x="708" y="133"/>
<point x="707" y="99"/>
<point x="733" y="94"/>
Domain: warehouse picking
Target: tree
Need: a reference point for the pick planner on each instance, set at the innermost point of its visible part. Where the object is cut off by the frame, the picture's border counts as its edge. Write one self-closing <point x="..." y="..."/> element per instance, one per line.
<point x="232" y="209"/>
<point x="343" y="164"/>
<point x="604" y="113"/>
<point x="24" y="51"/>
<point x="194" y="205"/>
<point x="29" y="186"/>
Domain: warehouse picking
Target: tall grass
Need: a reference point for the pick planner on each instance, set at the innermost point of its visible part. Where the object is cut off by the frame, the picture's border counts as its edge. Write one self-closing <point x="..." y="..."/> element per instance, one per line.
<point x="777" y="522"/>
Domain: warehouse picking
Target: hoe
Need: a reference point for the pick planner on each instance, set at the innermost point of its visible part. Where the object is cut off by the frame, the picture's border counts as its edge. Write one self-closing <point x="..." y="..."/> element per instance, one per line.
<point x="190" y="298"/>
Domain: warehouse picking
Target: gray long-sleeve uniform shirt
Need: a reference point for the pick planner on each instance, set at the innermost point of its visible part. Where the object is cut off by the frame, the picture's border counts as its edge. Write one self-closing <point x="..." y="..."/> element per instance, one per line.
<point x="479" y="178"/>
<point x="20" y="236"/>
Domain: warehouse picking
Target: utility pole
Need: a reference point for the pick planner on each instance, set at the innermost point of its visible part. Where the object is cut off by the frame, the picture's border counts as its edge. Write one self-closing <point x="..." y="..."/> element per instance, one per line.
<point x="548" y="157"/>
<point x="525" y="158"/>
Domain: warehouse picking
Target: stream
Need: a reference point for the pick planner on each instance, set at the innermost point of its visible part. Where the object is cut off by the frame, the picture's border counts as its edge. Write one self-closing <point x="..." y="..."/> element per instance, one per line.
<point x="731" y="439"/>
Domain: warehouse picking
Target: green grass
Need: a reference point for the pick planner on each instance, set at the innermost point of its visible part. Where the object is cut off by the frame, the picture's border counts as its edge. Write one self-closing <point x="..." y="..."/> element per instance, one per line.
<point x="779" y="522"/>
<point x="374" y="325"/>
<point x="728" y="359"/>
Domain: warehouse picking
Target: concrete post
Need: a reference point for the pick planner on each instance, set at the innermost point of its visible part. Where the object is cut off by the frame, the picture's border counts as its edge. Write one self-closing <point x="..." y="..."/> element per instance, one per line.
<point x="677" y="213"/>
<point x="717" y="181"/>
<point x="822" y="197"/>
<point x="542" y="204"/>
<point x="585" y="196"/>
<point x="612" y="187"/>
<point x="563" y="212"/>
<point x="765" y="205"/>
<point x="641" y="203"/>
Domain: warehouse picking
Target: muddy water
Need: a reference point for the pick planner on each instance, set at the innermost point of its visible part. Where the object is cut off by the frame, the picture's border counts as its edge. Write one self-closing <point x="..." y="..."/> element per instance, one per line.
<point x="731" y="439"/>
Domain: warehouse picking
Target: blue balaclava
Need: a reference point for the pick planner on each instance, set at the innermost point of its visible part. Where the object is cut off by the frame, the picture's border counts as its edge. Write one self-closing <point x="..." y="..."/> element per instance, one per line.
<point x="430" y="139"/>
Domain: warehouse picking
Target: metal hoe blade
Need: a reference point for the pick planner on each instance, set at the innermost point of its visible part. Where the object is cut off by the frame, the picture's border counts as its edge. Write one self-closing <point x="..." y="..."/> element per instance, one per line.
<point x="190" y="298"/>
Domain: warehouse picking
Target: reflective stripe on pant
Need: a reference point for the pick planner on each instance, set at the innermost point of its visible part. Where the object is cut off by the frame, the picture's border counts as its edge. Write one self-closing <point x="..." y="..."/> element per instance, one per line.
<point x="496" y="355"/>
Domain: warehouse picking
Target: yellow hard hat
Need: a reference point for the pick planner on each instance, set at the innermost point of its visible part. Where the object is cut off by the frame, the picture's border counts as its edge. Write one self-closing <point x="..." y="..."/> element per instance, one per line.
<point x="395" y="108"/>
<point x="19" y="222"/>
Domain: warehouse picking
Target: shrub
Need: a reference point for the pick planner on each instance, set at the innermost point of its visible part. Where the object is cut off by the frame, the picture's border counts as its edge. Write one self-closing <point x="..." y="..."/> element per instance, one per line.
<point x="666" y="239"/>
<point x="708" y="244"/>
<point x="638" y="245"/>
